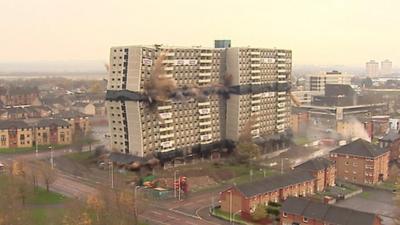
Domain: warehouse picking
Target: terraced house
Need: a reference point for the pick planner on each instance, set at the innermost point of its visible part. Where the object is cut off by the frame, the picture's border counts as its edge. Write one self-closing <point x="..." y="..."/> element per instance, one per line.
<point x="53" y="131"/>
<point x="301" y="211"/>
<point x="15" y="134"/>
<point x="306" y="179"/>
<point x="198" y="100"/>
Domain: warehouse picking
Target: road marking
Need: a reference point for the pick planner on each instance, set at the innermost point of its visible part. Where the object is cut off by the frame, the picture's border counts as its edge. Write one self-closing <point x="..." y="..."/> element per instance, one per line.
<point x="154" y="220"/>
<point x="157" y="213"/>
<point x="185" y="214"/>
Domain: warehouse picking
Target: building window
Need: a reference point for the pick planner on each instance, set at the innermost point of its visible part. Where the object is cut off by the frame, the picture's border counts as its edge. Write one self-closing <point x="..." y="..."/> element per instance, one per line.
<point x="284" y="214"/>
<point x="305" y="219"/>
<point x="3" y="139"/>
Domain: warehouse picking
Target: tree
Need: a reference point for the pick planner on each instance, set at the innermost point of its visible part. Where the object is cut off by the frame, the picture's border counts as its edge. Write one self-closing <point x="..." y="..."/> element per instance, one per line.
<point x="48" y="174"/>
<point x="260" y="212"/>
<point x="367" y="82"/>
<point x="95" y="204"/>
<point x="247" y="151"/>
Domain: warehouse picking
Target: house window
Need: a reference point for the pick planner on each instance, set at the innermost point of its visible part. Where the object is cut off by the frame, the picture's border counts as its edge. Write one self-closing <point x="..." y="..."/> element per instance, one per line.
<point x="284" y="214"/>
<point x="62" y="136"/>
<point x="3" y="139"/>
<point x="305" y="219"/>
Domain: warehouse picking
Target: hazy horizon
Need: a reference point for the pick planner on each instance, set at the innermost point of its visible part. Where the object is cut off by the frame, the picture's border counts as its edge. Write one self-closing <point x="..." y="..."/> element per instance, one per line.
<point x="331" y="32"/>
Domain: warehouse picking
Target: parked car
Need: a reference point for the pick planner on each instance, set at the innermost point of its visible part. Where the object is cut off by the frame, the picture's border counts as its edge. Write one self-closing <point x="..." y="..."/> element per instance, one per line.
<point x="2" y="167"/>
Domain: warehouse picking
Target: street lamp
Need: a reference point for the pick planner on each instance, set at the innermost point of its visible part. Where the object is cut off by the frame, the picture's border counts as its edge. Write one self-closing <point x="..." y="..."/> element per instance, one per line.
<point x="230" y="206"/>
<point x="36" y="141"/>
<point x="111" y="165"/>
<point x="135" y="204"/>
<point x="51" y="157"/>
<point x="175" y="172"/>
<point x="233" y="219"/>
<point x="282" y="164"/>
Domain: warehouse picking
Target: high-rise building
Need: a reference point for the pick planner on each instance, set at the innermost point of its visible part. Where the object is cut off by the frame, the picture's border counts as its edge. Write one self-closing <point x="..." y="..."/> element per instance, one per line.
<point x="386" y="67"/>
<point x="372" y="68"/>
<point x="222" y="43"/>
<point x="262" y="75"/>
<point x="317" y="82"/>
<point x="175" y="101"/>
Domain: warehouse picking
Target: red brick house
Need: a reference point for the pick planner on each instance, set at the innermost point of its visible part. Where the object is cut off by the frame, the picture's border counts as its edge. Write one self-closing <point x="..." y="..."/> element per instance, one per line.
<point x="391" y="142"/>
<point x="17" y="96"/>
<point x="322" y="169"/>
<point x="301" y="211"/>
<point x="361" y="162"/>
<point x="246" y="197"/>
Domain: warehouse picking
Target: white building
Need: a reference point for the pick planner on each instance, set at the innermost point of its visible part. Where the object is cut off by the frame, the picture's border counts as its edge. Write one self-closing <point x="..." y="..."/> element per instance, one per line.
<point x="386" y="67"/>
<point x="372" y="68"/>
<point x="317" y="82"/>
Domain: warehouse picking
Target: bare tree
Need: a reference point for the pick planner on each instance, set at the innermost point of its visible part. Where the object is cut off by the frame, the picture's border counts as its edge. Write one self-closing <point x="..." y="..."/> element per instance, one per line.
<point x="47" y="173"/>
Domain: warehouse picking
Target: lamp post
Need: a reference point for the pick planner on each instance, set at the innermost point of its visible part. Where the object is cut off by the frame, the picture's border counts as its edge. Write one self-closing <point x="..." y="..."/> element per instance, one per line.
<point x="282" y="164"/>
<point x="36" y="141"/>
<point x="233" y="217"/>
<point x="111" y="168"/>
<point x="175" y="172"/>
<point x="51" y="157"/>
<point x="230" y="206"/>
<point x="135" y="203"/>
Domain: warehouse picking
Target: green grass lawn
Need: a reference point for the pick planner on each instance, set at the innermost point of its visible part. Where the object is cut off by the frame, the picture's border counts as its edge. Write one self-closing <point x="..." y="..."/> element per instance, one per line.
<point x="388" y="185"/>
<point x="225" y="216"/>
<point x="42" y="197"/>
<point x="41" y="148"/>
<point x="301" y="140"/>
<point x="80" y="156"/>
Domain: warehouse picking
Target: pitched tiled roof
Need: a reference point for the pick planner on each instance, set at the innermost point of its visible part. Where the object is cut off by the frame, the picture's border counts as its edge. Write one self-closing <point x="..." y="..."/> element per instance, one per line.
<point x="327" y="213"/>
<point x="49" y="122"/>
<point x="70" y="114"/>
<point x="360" y="147"/>
<point x="392" y="135"/>
<point x="316" y="164"/>
<point x="273" y="183"/>
<point x="6" y="124"/>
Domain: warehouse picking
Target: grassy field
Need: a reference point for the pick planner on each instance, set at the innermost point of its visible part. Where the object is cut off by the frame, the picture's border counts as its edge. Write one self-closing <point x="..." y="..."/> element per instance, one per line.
<point x="42" y="197"/>
<point x="80" y="156"/>
<point x="225" y="216"/>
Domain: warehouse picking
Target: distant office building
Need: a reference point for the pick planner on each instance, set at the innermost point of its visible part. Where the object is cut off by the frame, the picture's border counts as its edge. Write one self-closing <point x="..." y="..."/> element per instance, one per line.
<point x="372" y="68"/>
<point x="222" y="43"/>
<point x="317" y="82"/>
<point x="194" y="107"/>
<point x="386" y="67"/>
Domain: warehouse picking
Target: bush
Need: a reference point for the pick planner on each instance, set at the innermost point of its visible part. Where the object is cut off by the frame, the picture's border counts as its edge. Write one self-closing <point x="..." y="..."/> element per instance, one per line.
<point x="259" y="213"/>
<point x="273" y="211"/>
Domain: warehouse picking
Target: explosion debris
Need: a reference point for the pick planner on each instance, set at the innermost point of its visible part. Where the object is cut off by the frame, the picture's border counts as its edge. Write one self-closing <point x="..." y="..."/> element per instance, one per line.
<point x="161" y="87"/>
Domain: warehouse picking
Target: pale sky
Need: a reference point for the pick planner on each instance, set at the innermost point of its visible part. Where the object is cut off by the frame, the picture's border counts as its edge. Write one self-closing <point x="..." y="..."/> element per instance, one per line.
<point x="347" y="32"/>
